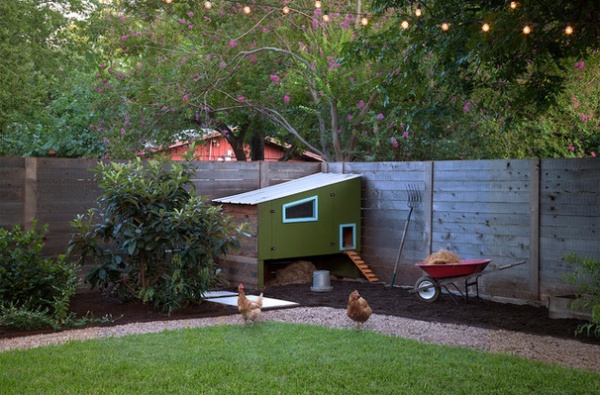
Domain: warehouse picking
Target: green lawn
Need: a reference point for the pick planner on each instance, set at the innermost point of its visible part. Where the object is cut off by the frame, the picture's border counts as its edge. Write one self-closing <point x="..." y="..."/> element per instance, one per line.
<point x="277" y="358"/>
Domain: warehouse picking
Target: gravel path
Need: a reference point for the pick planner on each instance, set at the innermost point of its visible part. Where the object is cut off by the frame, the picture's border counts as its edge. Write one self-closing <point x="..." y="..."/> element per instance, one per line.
<point x="569" y="353"/>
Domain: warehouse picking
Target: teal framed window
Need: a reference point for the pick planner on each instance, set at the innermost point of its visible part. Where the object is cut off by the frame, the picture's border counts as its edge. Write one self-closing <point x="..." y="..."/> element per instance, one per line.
<point x="305" y="210"/>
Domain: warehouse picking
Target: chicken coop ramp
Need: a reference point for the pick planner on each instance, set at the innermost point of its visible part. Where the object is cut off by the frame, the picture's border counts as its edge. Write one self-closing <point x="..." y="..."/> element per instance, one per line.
<point x="362" y="266"/>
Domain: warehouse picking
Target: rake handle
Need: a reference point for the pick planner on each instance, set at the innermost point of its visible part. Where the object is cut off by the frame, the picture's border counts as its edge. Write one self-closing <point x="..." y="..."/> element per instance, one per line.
<point x="401" y="247"/>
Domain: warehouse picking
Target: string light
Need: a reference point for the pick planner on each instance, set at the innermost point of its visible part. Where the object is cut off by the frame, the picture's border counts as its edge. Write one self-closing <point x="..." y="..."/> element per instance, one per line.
<point x="318" y="4"/>
<point x="513" y="5"/>
<point x="286" y="10"/>
<point x="207" y="5"/>
<point x="526" y="30"/>
<point x="404" y="25"/>
<point x="485" y="27"/>
<point x="569" y="30"/>
<point x="445" y="26"/>
<point x="168" y="1"/>
<point x="364" y="21"/>
<point x="247" y="10"/>
<point x="419" y="11"/>
<point x="325" y="17"/>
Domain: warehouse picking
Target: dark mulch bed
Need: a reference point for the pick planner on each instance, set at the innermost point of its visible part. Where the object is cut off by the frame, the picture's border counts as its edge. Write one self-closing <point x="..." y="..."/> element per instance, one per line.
<point x="384" y="300"/>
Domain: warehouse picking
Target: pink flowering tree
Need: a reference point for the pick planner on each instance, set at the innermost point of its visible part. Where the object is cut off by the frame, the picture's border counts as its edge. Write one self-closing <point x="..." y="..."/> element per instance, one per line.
<point x="172" y="67"/>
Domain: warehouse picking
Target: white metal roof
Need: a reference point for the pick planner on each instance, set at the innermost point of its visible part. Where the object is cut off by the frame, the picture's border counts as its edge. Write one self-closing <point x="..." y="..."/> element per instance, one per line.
<point x="288" y="188"/>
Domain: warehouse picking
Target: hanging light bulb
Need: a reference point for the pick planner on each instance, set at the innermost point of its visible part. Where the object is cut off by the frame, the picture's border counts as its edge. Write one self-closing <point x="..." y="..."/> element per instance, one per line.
<point x="513" y="5"/>
<point x="207" y="5"/>
<point x="419" y="11"/>
<point x="404" y="25"/>
<point x="569" y="30"/>
<point x="526" y="30"/>
<point x="168" y="1"/>
<point x="318" y="4"/>
<point x="286" y="10"/>
<point x="326" y="17"/>
<point x="364" y="21"/>
<point x="485" y="27"/>
<point x="445" y="26"/>
<point x="247" y="10"/>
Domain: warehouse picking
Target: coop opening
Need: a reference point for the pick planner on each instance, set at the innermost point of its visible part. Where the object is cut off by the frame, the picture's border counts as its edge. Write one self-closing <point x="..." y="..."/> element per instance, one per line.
<point x="347" y="236"/>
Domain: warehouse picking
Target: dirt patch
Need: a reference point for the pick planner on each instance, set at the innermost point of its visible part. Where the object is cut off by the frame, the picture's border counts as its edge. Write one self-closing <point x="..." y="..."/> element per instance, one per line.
<point x="388" y="301"/>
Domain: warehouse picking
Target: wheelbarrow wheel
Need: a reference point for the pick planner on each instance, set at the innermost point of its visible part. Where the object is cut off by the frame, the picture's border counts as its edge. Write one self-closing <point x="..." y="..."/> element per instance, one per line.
<point x="428" y="290"/>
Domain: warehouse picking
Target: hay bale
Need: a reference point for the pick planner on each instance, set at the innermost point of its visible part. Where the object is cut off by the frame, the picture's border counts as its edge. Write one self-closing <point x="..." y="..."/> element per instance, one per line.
<point x="442" y="257"/>
<point x="298" y="272"/>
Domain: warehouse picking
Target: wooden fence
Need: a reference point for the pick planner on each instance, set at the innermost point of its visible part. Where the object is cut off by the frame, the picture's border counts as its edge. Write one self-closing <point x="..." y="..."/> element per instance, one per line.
<point x="506" y="210"/>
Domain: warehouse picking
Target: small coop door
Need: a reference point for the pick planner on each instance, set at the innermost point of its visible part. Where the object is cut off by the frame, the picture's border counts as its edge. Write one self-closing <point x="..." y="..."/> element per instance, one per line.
<point x="347" y="236"/>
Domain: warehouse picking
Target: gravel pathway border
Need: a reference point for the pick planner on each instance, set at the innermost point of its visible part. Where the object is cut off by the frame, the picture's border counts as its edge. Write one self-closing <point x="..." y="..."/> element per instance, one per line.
<point x="568" y="353"/>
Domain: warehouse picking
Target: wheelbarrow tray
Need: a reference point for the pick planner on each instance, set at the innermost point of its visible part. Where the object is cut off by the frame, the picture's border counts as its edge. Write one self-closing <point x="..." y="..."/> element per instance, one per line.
<point x="466" y="267"/>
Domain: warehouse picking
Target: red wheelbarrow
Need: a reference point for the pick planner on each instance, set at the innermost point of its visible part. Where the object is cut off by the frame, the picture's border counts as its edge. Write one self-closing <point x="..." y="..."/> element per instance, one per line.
<point x="428" y="288"/>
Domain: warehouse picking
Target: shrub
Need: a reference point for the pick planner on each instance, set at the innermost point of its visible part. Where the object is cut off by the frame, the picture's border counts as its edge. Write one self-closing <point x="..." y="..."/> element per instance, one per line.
<point x="152" y="237"/>
<point x="586" y="276"/>
<point x="33" y="290"/>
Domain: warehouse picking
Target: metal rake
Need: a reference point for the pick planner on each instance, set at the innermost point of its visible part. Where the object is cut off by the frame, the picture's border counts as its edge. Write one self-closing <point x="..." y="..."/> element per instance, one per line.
<point x="414" y="199"/>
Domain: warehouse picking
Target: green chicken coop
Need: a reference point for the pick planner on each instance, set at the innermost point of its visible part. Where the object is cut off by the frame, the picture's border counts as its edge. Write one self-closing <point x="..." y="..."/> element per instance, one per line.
<point x="317" y="217"/>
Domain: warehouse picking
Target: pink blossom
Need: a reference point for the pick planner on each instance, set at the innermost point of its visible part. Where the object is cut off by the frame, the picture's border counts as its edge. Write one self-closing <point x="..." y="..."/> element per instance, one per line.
<point x="405" y="135"/>
<point x="380" y="117"/>
<point x="124" y="37"/>
<point x="190" y="14"/>
<point x="593" y="154"/>
<point x="123" y="131"/>
<point x="252" y="58"/>
<point x="143" y="123"/>
<point x="394" y="142"/>
<point x="222" y="65"/>
<point x="190" y="27"/>
<point x="275" y="79"/>
<point x="571" y="147"/>
<point x="585" y="118"/>
<point x="317" y="12"/>
<point x="580" y="66"/>
<point x="186" y="97"/>
<point x="240" y="98"/>
<point x="286" y="99"/>
<point x="350" y="117"/>
<point x="232" y="44"/>
<point x="315" y="23"/>
<point x="102" y="66"/>
<point x="164" y="108"/>
<point x="106" y="141"/>
<point x="91" y="126"/>
<point x="351" y="80"/>
<point x="467" y="106"/>
<point x="361" y="104"/>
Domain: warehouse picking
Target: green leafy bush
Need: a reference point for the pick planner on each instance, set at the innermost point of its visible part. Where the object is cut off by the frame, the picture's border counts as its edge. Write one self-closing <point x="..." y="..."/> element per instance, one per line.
<point x="586" y="276"/>
<point x="34" y="291"/>
<point x="152" y="237"/>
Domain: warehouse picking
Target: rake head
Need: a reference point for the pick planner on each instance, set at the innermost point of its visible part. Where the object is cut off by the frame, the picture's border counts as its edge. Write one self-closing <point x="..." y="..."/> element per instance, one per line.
<point x="414" y="196"/>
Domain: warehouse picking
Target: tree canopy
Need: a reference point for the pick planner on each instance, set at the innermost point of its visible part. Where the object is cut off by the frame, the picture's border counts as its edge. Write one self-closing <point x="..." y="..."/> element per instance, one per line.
<point x="397" y="87"/>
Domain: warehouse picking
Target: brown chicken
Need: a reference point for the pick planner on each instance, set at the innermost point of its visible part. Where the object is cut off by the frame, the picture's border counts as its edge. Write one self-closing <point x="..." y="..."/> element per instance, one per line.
<point x="249" y="309"/>
<point x="358" y="309"/>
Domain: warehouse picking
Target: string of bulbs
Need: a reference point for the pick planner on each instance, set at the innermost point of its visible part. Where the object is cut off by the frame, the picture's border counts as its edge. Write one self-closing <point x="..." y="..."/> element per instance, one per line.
<point x="445" y="26"/>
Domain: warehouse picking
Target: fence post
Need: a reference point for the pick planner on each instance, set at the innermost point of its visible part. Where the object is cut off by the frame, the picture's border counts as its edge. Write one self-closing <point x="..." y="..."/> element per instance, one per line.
<point x="30" y="198"/>
<point x="534" y="227"/>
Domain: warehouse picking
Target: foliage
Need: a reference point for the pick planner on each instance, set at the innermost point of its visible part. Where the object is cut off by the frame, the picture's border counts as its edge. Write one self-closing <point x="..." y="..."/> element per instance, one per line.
<point x="586" y="276"/>
<point x="154" y="239"/>
<point x="277" y="357"/>
<point x="41" y="46"/>
<point x="34" y="291"/>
